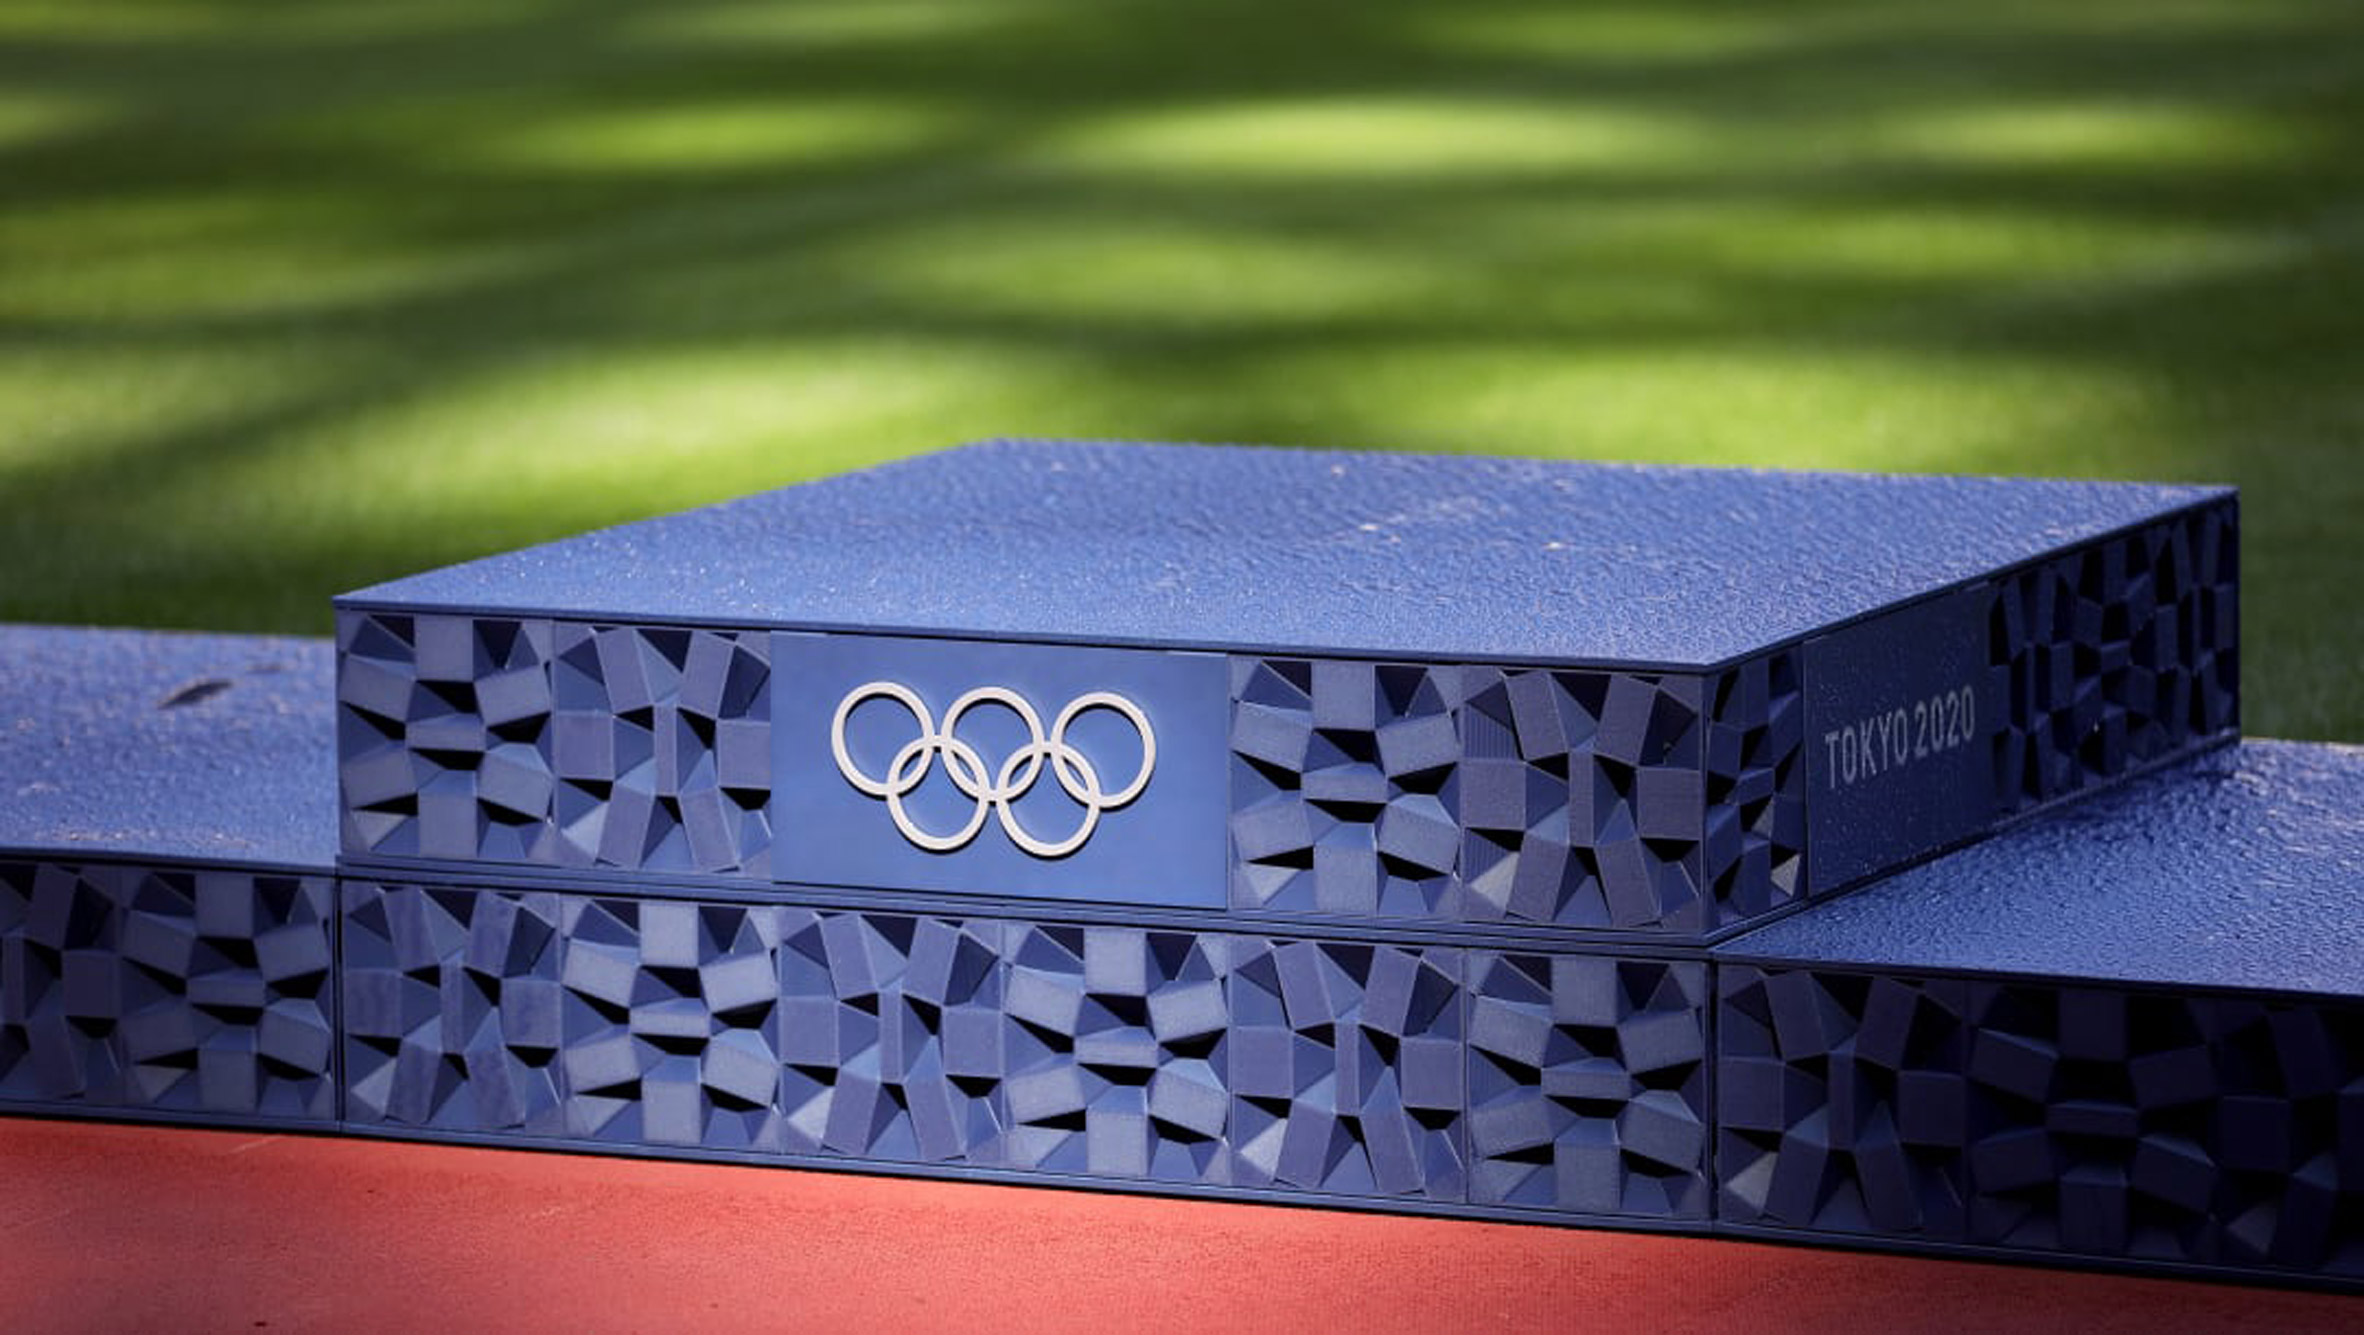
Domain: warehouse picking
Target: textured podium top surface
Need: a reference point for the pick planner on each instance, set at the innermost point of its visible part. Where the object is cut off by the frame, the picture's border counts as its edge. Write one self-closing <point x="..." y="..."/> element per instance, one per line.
<point x="1263" y="549"/>
<point x="137" y="744"/>
<point x="2241" y="868"/>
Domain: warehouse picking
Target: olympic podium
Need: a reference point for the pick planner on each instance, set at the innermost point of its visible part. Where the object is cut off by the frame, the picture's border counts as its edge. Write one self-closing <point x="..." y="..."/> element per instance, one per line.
<point x="1429" y="834"/>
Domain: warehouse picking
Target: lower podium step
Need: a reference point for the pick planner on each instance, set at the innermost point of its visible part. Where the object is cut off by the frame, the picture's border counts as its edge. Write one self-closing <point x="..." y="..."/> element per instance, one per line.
<point x="167" y="902"/>
<point x="2129" y="1032"/>
<point x="1415" y="1074"/>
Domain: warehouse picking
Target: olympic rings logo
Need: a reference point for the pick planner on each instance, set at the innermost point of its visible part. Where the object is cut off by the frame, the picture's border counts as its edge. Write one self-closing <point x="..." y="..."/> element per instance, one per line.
<point x="992" y="790"/>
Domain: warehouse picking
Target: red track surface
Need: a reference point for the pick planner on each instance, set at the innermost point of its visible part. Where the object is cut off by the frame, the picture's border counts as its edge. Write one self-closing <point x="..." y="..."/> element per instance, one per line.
<point x="116" y="1228"/>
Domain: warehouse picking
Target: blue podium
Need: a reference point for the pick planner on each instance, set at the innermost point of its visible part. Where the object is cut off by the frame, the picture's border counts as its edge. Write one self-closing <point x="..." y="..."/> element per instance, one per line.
<point x="1488" y="837"/>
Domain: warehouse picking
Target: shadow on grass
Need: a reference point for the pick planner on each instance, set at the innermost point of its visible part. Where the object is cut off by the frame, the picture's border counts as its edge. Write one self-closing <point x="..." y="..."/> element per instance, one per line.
<point x="508" y="273"/>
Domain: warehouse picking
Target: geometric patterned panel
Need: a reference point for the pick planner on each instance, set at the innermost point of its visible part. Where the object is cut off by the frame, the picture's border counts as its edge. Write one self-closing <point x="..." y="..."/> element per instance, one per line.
<point x="1485" y="794"/>
<point x="1116" y="1052"/>
<point x="2200" y="1130"/>
<point x="891" y="1034"/>
<point x="554" y="743"/>
<point x="1345" y="1065"/>
<point x="1339" y="786"/>
<point x="667" y="1016"/>
<point x="1839" y="1101"/>
<point x="1572" y="1084"/>
<point x="2209" y="1129"/>
<point x="1588" y="1084"/>
<point x="663" y="748"/>
<point x="201" y="992"/>
<point x="1754" y="757"/>
<point x="452" y="1008"/>
<point x="443" y="737"/>
<point x="2114" y="655"/>
<point x="1583" y="797"/>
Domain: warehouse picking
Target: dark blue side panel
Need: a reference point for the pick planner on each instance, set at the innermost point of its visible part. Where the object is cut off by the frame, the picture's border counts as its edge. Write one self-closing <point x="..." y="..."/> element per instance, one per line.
<point x="1031" y="770"/>
<point x="1568" y="1084"/>
<point x="1588" y="1078"/>
<point x="1602" y="800"/>
<point x="1839" y="1102"/>
<point x="2196" y="1130"/>
<point x="554" y="743"/>
<point x="128" y="988"/>
<point x="2116" y="654"/>
<point x="1555" y="798"/>
<point x="1898" y="712"/>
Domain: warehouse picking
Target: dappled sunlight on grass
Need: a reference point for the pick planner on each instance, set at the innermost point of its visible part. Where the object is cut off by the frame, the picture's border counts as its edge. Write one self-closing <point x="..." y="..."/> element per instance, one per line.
<point x="1682" y="33"/>
<point x="30" y="118"/>
<point x="648" y="428"/>
<point x="74" y="411"/>
<point x="1645" y="35"/>
<point x="1906" y="244"/>
<point x="2100" y="137"/>
<point x="294" y="297"/>
<point x="1144" y="270"/>
<point x="124" y="20"/>
<point x="245" y="277"/>
<point x="1867" y="409"/>
<point x="844" y="23"/>
<point x="1437" y="139"/>
<point x="697" y="137"/>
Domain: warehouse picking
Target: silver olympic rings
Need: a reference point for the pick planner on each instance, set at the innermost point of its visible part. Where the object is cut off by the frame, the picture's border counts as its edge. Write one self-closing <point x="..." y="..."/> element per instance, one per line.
<point x="992" y="791"/>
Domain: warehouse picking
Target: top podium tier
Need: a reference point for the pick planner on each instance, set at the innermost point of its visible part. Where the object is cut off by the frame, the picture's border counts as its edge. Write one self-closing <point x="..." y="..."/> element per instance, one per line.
<point x="1437" y="558"/>
<point x="1461" y="691"/>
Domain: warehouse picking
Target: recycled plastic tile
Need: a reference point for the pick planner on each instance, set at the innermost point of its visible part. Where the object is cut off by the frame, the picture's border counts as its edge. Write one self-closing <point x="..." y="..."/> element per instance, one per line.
<point x="1840" y="1101"/>
<point x="2116" y="655"/>
<point x="1588" y="1084"/>
<point x="1116" y="1052"/>
<point x="891" y="1029"/>
<point x="1345" y="1063"/>
<point x="453" y="1008"/>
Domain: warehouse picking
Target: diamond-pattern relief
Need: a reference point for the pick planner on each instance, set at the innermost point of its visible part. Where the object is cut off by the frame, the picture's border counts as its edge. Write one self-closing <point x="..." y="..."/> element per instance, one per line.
<point x="1563" y="1084"/>
<point x="131" y="987"/>
<point x="2209" y="1130"/>
<point x="1116" y="1052"/>
<point x="1588" y="1084"/>
<point x="891" y="1028"/>
<point x="452" y="1008"/>
<point x="663" y="748"/>
<point x="668" y="1020"/>
<point x="1345" y="1062"/>
<point x="443" y="737"/>
<point x="1571" y="798"/>
<point x="1839" y="1101"/>
<point x="2115" y="655"/>
<point x="486" y="739"/>
<point x="1582" y="795"/>
<point x="1339" y="786"/>
<point x="1754" y="851"/>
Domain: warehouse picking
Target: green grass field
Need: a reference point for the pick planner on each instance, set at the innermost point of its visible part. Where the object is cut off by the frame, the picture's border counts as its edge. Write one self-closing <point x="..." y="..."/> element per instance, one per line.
<point x="297" y="296"/>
